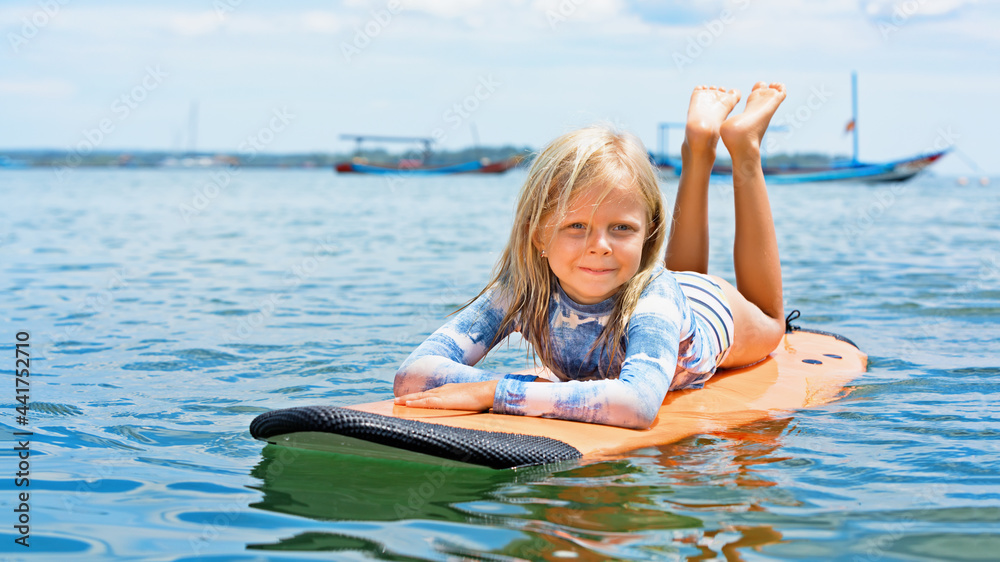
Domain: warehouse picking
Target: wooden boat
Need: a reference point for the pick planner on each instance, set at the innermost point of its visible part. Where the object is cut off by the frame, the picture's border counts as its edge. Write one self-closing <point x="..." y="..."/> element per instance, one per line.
<point x="845" y="171"/>
<point x="897" y="170"/>
<point x="483" y="166"/>
<point x="418" y="166"/>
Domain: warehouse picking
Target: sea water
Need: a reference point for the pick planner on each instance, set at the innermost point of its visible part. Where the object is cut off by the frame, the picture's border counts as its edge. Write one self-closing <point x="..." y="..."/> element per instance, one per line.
<point x="164" y="309"/>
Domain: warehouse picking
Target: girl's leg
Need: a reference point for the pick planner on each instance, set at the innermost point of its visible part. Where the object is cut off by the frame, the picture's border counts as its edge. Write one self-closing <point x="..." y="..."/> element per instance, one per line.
<point x="757" y="305"/>
<point x="687" y="245"/>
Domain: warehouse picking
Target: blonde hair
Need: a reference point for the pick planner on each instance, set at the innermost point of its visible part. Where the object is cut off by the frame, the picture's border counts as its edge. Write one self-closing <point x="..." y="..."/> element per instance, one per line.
<point x="569" y="165"/>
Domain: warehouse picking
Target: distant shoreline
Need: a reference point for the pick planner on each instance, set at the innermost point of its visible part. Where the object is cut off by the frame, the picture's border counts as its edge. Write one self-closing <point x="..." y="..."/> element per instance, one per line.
<point x="65" y="159"/>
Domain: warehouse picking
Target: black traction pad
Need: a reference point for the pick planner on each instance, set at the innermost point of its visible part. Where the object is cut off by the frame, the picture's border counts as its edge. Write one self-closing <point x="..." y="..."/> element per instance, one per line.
<point x="473" y="446"/>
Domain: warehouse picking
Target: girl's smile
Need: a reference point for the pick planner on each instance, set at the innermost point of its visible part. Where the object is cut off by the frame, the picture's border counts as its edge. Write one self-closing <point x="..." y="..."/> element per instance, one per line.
<point x="597" y="246"/>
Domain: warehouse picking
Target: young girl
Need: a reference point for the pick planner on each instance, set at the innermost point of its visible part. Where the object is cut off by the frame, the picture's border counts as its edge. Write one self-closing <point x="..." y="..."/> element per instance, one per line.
<point x="582" y="279"/>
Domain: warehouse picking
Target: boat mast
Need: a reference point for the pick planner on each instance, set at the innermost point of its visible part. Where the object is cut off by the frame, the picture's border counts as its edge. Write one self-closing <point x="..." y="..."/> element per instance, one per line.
<point x="663" y="137"/>
<point x="854" y="112"/>
<point x="661" y="146"/>
<point x="425" y="141"/>
<point x="475" y="141"/>
<point x="192" y="127"/>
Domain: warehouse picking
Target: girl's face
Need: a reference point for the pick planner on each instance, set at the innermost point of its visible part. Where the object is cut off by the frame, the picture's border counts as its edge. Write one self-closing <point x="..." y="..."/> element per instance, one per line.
<point x="596" y="248"/>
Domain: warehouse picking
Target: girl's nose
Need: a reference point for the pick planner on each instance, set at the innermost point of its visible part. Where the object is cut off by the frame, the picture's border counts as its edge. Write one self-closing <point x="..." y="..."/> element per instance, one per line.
<point x="599" y="243"/>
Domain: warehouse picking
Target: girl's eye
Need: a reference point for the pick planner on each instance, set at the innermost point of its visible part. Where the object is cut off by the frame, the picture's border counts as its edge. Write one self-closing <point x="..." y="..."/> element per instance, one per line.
<point x="623" y="227"/>
<point x="577" y="225"/>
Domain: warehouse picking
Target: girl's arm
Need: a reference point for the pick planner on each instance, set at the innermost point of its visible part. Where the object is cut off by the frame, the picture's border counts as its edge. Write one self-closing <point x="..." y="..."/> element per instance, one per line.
<point x="448" y="354"/>
<point x="632" y="400"/>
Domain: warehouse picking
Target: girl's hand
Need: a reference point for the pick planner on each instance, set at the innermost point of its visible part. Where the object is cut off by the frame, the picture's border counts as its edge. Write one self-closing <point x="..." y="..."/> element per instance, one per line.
<point x="475" y="396"/>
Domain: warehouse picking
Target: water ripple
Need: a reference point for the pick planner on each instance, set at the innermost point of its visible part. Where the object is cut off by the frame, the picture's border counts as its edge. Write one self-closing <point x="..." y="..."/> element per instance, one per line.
<point x="164" y="337"/>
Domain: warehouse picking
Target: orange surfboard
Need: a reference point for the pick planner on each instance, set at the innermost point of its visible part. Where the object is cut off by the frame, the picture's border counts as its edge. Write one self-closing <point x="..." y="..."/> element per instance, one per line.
<point x="807" y="369"/>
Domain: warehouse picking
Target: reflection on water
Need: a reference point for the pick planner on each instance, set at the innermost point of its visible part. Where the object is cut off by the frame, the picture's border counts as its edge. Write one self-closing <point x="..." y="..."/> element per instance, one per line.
<point x="346" y="488"/>
<point x="647" y="505"/>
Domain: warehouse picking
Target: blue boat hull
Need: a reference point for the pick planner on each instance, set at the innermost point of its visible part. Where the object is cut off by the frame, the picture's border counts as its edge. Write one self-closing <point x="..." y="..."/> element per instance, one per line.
<point x="474" y="167"/>
<point x="898" y="170"/>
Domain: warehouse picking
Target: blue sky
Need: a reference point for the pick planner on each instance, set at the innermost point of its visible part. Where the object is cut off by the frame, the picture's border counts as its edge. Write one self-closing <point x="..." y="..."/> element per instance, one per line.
<point x="292" y="77"/>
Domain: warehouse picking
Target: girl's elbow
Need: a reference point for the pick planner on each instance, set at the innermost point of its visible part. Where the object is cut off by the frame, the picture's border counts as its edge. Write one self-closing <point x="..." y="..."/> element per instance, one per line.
<point x="641" y="421"/>
<point x="414" y="375"/>
<point x="407" y="381"/>
<point x="629" y="417"/>
<point x="632" y="413"/>
<point x="405" y="378"/>
<point x="399" y="382"/>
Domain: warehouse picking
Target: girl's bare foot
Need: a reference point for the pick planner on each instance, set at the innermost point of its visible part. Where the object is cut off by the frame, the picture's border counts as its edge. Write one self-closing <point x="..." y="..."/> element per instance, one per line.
<point x="707" y="111"/>
<point x="687" y="245"/>
<point x="746" y="130"/>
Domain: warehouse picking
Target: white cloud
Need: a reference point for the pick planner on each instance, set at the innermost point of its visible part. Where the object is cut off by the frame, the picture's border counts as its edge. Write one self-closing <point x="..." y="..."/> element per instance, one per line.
<point x="609" y="59"/>
<point x="126" y="24"/>
<point x="51" y="89"/>
<point x="448" y="8"/>
<point x="322" y="22"/>
<point x="196" y="23"/>
<point x="888" y="9"/>
<point x="582" y="10"/>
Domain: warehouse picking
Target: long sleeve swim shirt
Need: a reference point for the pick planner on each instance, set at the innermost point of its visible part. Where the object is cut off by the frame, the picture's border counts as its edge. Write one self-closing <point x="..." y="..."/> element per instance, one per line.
<point x="666" y="347"/>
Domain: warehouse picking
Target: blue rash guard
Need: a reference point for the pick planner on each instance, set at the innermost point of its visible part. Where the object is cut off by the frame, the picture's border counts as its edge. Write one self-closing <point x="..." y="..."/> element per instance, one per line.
<point x="678" y="333"/>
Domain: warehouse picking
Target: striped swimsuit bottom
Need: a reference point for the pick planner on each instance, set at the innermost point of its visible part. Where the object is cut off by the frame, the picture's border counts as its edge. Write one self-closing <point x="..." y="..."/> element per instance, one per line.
<point x="714" y="330"/>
